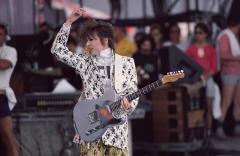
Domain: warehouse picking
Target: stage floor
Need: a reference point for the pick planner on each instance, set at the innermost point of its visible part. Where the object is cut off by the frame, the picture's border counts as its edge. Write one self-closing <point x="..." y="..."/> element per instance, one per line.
<point x="227" y="146"/>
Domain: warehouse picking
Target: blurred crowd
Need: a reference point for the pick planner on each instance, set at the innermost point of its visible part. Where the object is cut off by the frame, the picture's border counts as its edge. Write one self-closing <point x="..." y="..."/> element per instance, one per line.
<point x="218" y="56"/>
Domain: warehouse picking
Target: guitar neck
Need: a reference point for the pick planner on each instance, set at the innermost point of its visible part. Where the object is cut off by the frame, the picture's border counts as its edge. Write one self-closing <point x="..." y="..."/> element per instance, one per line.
<point x="138" y="93"/>
<point x="169" y="77"/>
<point x="144" y="90"/>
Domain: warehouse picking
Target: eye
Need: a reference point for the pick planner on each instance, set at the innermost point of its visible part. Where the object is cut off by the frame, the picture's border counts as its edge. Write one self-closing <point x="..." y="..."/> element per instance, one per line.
<point x="90" y="39"/>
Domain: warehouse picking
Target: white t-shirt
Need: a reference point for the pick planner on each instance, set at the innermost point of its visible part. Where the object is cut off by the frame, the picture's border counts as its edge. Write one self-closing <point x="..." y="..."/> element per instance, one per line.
<point x="10" y="54"/>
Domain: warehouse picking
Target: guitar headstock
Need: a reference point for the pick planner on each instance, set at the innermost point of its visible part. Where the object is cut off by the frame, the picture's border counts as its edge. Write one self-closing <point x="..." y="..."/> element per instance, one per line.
<point x="172" y="76"/>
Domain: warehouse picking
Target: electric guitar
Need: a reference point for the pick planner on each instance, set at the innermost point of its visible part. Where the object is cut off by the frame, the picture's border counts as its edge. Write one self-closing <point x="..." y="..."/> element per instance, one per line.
<point x="93" y="117"/>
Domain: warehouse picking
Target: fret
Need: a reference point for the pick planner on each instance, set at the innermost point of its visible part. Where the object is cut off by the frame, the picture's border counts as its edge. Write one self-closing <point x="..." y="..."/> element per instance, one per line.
<point x="154" y="83"/>
<point x="149" y="88"/>
<point x="112" y="106"/>
<point x="144" y="91"/>
<point x="138" y="93"/>
<point x="152" y="86"/>
<point x="158" y="84"/>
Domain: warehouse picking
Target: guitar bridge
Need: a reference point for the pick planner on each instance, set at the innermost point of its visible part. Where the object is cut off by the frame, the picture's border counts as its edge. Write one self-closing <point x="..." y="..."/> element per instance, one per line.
<point x="93" y="117"/>
<point x="93" y="130"/>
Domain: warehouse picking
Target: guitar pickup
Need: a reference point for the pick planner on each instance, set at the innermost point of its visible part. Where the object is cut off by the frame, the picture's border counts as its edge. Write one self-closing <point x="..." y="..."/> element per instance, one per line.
<point x="93" y="130"/>
<point x="93" y="117"/>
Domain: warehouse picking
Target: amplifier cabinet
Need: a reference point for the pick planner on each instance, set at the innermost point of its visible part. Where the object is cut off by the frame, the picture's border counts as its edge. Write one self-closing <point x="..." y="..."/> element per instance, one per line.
<point x="45" y="133"/>
<point x="176" y="116"/>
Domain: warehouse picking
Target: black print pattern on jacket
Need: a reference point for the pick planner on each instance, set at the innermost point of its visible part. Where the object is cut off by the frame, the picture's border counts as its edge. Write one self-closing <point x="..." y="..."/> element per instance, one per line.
<point x="86" y="66"/>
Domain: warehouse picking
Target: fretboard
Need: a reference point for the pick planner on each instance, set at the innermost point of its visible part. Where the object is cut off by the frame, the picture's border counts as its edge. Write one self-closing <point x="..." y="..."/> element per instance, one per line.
<point x="136" y="94"/>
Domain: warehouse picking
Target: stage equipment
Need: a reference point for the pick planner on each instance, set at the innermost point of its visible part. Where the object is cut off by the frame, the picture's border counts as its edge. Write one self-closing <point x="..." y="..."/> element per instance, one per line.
<point x="178" y="117"/>
<point x="173" y="59"/>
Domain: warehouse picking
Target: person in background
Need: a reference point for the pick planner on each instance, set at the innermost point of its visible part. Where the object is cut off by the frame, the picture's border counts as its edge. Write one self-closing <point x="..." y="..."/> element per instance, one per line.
<point x="205" y="55"/>
<point x="72" y="44"/>
<point x="138" y="38"/>
<point x="174" y="38"/>
<point x="75" y="32"/>
<point x="67" y="71"/>
<point x="156" y="34"/>
<point x="45" y="38"/>
<point x="115" y="6"/>
<point x="8" y="59"/>
<point x="229" y="54"/>
<point x="146" y="63"/>
<point x="124" y="46"/>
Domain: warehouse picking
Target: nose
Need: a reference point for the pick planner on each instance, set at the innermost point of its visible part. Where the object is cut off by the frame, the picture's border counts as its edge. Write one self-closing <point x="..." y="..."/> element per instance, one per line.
<point x="87" y="43"/>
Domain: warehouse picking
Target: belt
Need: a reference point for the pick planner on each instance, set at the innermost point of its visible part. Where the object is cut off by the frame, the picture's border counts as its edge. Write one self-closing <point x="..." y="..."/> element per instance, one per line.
<point x="2" y="91"/>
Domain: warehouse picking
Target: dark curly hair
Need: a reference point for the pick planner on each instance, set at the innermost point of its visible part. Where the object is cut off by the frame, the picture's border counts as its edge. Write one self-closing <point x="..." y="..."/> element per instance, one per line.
<point x="147" y="38"/>
<point x="204" y="27"/>
<point x="100" y="28"/>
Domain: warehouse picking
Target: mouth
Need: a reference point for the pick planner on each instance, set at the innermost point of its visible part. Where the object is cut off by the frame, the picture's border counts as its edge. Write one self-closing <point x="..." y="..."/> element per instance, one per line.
<point x="87" y="50"/>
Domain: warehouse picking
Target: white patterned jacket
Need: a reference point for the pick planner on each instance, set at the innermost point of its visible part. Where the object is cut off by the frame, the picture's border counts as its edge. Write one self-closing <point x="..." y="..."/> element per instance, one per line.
<point x="124" y="79"/>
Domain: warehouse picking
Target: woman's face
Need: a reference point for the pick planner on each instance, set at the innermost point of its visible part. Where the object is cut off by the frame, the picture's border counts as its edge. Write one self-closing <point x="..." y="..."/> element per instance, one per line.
<point x="174" y="33"/>
<point x="200" y="35"/>
<point x="94" y="44"/>
<point x="146" y="46"/>
<point x="156" y="35"/>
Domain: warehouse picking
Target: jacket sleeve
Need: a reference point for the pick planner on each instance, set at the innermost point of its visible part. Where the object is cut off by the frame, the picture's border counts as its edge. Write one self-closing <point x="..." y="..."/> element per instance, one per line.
<point x="60" y="50"/>
<point x="132" y="85"/>
<point x="131" y="77"/>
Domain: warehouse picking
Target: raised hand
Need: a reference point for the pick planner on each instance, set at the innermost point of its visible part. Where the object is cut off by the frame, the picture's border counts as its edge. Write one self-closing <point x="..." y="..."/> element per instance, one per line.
<point x="75" y="15"/>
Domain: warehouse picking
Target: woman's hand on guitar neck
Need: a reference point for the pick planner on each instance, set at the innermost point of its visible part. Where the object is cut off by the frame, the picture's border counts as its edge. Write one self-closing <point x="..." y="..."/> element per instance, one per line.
<point x="125" y="104"/>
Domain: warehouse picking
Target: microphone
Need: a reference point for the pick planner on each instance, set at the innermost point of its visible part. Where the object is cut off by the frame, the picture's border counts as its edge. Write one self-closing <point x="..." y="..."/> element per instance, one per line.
<point x="86" y="49"/>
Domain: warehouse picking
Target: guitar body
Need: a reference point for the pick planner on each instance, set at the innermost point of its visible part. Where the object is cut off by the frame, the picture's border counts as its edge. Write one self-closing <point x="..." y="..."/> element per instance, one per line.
<point x="93" y="117"/>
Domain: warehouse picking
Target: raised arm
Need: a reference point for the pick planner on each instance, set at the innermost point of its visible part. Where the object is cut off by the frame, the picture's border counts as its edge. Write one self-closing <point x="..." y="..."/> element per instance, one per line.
<point x="59" y="46"/>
